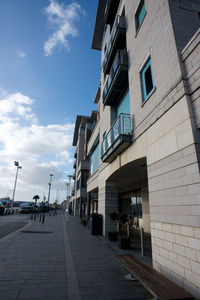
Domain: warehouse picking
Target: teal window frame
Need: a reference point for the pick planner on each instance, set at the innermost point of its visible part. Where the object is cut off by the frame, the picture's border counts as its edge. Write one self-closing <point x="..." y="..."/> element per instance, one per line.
<point x="147" y="84"/>
<point x="140" y="14"/>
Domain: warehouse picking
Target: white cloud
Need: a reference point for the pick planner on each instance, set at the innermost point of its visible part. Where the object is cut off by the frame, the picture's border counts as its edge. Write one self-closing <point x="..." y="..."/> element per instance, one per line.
<point x="62" y="19"/>
<point x="40" y="150"/>
<point x="16" y="105"/>
<point x="21" y="54"/>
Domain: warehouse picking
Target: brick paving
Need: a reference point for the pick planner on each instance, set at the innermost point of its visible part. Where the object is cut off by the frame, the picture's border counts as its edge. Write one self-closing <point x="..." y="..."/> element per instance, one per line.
<point x="62" y="261"/>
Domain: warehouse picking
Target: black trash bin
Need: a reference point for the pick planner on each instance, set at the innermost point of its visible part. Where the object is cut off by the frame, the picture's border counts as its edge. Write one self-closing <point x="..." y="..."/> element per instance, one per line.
<point x="96" y="224"/>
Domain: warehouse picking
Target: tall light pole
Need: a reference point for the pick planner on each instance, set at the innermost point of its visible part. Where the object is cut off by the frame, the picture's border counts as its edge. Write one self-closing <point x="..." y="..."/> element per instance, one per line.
<point x="67" y="196"/>
<point x="51" y="175"/>
<point x="16" y="163"/>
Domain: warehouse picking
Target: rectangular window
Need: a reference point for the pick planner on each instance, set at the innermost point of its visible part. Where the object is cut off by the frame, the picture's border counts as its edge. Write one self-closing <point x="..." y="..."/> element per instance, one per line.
<point x="94" y="160"/>
<point x="147" y="80"/>
<point x="140" y="13"/>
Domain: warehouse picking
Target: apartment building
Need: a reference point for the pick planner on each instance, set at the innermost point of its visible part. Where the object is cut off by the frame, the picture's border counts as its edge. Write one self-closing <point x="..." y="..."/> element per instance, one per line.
<point x="144" y="148"/>
<point x="83" y="128"/>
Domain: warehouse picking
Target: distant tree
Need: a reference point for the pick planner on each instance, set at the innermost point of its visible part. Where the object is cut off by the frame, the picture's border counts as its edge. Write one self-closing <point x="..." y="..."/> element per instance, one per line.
<point x="36" y="197"/>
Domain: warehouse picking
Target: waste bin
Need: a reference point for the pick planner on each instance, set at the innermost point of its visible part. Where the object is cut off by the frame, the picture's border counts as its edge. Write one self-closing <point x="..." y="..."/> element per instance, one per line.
<point x="96" y="224"/>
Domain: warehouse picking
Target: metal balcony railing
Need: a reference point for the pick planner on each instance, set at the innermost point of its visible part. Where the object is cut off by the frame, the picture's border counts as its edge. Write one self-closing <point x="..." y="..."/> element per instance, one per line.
<point x="114" y="82"/>
<point x="119" y="28"/>
<point x="121" y="128"/>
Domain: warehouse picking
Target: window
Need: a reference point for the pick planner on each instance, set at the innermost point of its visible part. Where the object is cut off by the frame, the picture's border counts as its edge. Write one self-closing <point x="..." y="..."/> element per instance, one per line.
<point x="94" y="156"/>
<point x="147" y="80"/>
<point x="140" y="14"/>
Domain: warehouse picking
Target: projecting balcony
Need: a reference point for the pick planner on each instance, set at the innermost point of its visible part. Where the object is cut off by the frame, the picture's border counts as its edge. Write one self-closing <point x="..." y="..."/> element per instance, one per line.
<point x="110" y="11"/>
<point x="117" y="80"/>
<point x="74" y="165"/>
<point x="75" y="154"/>
<point x="117" y="139"/>
<point x="117" y="41"/>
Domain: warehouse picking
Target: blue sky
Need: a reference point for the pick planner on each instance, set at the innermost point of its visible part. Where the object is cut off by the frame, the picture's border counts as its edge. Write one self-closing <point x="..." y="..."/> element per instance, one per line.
<point x="48" y="75"/>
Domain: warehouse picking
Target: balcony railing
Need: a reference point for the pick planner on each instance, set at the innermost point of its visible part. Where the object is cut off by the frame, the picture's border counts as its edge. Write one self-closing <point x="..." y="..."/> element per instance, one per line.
<point x="117" y="139"/>
<point x="117" y="41"/>
<point x="117" y="79"/>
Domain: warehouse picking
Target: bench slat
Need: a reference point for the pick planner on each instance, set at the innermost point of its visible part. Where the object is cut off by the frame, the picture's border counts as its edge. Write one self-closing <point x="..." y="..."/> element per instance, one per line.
<point x="158" y="285"/>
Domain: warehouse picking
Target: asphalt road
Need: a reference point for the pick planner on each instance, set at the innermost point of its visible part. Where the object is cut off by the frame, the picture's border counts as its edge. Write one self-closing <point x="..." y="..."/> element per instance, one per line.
<point x="11" y="223"/>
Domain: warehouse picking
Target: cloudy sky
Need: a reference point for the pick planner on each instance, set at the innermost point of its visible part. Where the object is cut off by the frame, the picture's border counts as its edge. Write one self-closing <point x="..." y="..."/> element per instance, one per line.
<point x="48" y="75"/>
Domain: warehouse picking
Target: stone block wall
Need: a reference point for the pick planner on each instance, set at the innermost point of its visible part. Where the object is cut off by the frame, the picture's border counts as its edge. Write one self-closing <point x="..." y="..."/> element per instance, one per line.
<point x="174" y="188"/>
<point x="108" y="202"/>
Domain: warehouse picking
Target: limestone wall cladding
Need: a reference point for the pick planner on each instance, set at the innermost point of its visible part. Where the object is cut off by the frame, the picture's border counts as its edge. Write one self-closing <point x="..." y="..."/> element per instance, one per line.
<point x="157" y="32"/>
<point x="185" y="20"/>
<point x="174" y="188"/>
<point x="145" y="207"/>
<point x="108" y="202"/>
<point x="191" y="60"/>
<point x="174" y="182"/>
<point x="176" y="253"/>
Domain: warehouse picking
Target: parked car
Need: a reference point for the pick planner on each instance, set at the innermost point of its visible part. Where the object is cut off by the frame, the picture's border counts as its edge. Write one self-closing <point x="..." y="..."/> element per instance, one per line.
<point x="8" y="211"/>
<point x="17" y="209"/>
<point x="2" y="208"/>
<point x="26" y="209"/>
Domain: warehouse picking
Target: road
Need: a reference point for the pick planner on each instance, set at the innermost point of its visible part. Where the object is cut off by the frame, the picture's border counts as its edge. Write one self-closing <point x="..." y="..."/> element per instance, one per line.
<point x="11" y="223"/>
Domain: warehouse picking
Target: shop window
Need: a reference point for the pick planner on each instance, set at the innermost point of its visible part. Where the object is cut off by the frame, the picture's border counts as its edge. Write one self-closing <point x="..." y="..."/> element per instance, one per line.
<point x="147" y="80"/>
<point x="136" y="204"/>
<point x="140" y="14"/>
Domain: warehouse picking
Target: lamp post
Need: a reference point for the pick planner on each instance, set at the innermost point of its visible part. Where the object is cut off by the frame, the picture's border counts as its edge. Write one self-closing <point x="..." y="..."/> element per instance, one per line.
<point x="67" y="196"/>
<point x="16" y="163"/>
<point x="51" y="175"/>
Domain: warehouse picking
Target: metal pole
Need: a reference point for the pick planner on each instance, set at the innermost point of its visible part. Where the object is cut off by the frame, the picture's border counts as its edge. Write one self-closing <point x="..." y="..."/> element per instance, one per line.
<point x="142" y="241"/>
<point x="49" y="188"/>
<point x="67" y="196"/>
<point x="15" y="185"/>
<point x="70" y="177"/>
<point x="18" y="167"/>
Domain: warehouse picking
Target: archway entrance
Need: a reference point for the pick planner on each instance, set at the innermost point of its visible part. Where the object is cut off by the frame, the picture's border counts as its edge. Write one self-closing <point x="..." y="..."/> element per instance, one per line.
<point x="131" y="182"/>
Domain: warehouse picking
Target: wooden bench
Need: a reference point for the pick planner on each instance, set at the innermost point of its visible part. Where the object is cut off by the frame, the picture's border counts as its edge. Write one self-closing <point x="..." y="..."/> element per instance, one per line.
<point x="158" y="285"/>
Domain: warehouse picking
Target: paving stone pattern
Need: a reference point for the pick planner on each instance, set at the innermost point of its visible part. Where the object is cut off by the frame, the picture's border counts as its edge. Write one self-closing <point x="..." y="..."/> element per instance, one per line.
<point x="99" y="276"/>
<point x="65" y="263"/>
<point x="32" y="265"/>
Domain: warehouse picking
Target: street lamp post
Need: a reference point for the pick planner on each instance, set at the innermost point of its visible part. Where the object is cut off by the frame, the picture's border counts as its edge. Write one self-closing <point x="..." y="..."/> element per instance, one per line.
<point x="67" y="196"/>
<point x="16" y="163"/>
<point x="51" y="175"/>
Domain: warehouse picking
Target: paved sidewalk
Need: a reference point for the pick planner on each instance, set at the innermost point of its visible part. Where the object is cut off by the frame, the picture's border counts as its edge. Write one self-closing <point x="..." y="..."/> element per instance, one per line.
<point x="99" y="275"/>
<point x="32" y="265"/>
<point x="62" y="261"/>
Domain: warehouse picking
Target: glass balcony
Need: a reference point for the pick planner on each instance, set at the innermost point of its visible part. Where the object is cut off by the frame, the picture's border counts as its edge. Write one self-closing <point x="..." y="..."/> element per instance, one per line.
<point x="117" y="41"/>
<point x="118" y="138"/>
<point x="117" y="79"/>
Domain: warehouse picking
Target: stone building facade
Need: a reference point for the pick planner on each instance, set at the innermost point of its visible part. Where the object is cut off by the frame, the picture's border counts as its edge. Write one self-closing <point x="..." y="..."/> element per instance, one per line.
<point x="145" y="143"/>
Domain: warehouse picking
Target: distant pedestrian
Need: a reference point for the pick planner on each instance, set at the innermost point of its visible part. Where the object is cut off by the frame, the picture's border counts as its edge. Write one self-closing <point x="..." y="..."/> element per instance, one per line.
<point x="66" y="214"/>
